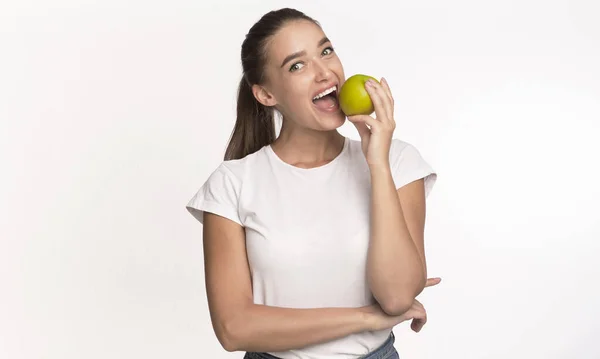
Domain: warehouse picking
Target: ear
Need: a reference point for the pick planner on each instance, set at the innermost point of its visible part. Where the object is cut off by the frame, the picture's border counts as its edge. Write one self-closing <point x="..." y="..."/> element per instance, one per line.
<point x="263" y="96"/>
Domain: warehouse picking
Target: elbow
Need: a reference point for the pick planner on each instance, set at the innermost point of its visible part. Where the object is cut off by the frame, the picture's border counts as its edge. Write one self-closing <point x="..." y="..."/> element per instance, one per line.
<point x="227" y="342"/>
<point x="228" y="336"/>
<point x="232" y="329"/>
<point x="399" y="302"/>
<point x="228" y="345"/>
<point x="396" y="306"/>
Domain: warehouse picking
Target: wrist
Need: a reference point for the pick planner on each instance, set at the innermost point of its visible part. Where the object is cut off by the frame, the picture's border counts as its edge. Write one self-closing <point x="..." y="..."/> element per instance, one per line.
<point x="380" y="168"/>
<point x="381" y="174"/>
<point x="367" y="318"/>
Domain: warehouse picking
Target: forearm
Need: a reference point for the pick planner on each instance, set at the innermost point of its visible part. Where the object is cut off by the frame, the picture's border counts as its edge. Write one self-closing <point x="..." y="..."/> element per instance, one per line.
<point x="395" y="270"/>
<point x="260" y="328"/>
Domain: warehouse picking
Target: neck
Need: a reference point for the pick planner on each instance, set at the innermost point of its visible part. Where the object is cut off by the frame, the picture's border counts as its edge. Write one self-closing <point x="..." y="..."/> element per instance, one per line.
<point x="308" y="148"/>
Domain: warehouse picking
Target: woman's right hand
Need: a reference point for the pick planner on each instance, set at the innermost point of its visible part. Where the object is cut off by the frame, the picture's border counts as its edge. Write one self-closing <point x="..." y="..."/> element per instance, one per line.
<point x="379" y="320"/>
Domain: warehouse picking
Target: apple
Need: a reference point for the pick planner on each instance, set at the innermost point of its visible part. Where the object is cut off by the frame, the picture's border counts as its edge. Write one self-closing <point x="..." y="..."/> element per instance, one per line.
<point x="354" y="98"/>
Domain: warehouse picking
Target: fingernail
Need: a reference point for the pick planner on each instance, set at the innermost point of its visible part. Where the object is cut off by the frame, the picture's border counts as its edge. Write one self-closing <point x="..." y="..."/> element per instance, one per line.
<point x="370" y="82"/>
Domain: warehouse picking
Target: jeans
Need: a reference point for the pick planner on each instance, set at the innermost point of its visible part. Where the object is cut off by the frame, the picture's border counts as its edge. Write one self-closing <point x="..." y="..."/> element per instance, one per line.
<point x="385" y="351"/>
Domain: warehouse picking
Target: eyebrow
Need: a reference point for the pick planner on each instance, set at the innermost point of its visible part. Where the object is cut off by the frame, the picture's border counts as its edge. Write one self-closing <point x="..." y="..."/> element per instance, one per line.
<point x="303" y="53"/>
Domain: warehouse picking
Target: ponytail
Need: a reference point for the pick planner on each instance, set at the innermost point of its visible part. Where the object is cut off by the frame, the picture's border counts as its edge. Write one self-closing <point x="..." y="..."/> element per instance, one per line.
<point x="254" y="126"/>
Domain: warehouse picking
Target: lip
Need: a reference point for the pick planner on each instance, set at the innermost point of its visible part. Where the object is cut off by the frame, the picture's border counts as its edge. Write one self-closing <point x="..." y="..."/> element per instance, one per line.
<point x="325" y="87"/>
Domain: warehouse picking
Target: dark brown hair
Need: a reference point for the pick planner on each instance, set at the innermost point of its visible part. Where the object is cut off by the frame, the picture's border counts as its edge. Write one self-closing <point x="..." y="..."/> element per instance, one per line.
<point x="255" y="125"/>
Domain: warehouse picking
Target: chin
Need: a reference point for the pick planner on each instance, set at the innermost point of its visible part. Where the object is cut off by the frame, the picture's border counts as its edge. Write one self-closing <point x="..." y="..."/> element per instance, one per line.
<point x="331" y="121"/>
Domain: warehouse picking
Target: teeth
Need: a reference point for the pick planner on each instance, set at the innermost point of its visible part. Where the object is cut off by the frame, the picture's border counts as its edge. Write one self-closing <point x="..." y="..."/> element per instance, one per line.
<point x="325" y="93"/>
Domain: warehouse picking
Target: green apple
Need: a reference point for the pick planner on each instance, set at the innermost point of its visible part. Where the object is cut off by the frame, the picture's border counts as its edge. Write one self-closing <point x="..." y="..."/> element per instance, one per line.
<point x="354" y="98"/>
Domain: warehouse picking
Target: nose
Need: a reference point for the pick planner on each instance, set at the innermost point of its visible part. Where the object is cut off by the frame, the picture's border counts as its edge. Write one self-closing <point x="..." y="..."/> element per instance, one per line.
<point x="322" y="71"/>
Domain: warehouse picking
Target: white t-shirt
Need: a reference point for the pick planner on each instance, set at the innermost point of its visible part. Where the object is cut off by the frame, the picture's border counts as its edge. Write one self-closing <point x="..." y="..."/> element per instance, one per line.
<point x="307" y="230"/>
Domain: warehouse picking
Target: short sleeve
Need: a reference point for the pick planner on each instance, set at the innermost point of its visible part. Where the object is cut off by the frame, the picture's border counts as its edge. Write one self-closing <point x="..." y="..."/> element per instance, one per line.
<point x="218" y="195"/>
<point x="408" y="165"/>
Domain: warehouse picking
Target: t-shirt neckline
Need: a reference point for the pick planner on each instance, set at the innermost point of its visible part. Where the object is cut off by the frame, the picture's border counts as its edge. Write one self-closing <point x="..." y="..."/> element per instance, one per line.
<point x="273" y="155"/>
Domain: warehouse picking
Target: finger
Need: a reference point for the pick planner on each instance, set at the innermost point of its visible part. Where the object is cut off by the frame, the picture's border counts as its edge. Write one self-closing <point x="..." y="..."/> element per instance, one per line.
<point x="418" y="306"/>
<point x="419" y="320"/>
<point x="380" y="100"/>
<point x="372" y="88"/>
<point x="373" y="123"/>
<point x="363" y="130"/>
<point x="433" y="281"/>
<point x="414" y="325"/>
<point x="418" y="324"/>
<point x="417" y="317"/>
<point x="388" y="91"/>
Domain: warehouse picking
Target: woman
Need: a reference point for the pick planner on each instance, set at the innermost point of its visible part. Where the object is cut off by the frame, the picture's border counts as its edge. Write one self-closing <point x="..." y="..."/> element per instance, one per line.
<point x="313" y="242"/>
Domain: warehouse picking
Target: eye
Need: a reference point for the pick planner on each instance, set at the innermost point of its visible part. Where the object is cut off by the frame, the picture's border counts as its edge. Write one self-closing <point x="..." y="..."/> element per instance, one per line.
<point x="328" y="50"/>
<point x="296" y="66"/>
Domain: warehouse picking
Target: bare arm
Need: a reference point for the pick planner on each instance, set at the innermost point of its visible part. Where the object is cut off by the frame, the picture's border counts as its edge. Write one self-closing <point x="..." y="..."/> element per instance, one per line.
<point x="241" y="325"/>
<point x="396" y="265"/>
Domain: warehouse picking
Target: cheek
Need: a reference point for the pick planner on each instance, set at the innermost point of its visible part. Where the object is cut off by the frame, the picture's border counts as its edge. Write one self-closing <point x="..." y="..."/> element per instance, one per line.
<point x="290" y="100"/>
<point x="295" y="92"/>
<point x="339" y="68"/>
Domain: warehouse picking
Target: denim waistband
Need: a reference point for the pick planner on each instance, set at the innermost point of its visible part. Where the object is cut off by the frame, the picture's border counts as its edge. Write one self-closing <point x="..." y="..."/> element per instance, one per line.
<point x="385" y="351"/>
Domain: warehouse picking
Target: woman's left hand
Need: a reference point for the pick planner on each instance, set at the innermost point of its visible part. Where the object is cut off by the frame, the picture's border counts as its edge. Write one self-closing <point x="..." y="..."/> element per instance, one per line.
<point x="376" y="133"/>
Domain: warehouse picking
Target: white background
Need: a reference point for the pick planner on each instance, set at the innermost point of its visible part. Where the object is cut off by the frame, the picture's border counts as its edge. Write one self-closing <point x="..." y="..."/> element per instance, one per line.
<point x="114" y="113"/>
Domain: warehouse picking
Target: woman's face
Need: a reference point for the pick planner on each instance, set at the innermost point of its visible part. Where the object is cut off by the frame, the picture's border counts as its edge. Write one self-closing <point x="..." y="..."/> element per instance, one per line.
<point x="301" y="65"/>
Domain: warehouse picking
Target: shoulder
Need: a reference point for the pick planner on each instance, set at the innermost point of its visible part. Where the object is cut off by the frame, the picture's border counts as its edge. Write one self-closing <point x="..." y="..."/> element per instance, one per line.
<point x="400" y="147"/>
<point x="240" y="168"/>
<point x="402" y="151"/>
<point x="220" y="192"/>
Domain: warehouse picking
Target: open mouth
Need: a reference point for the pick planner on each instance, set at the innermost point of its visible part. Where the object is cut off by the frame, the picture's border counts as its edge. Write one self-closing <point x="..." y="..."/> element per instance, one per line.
<point x="327" y="100"/>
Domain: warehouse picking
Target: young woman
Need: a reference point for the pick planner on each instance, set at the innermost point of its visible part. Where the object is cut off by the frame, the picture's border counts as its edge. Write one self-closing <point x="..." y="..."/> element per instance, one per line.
<point x="313" y="242"/>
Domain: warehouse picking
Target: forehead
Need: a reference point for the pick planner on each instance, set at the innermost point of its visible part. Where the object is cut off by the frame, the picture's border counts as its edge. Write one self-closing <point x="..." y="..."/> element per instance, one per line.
<point x="295" y="36"/>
